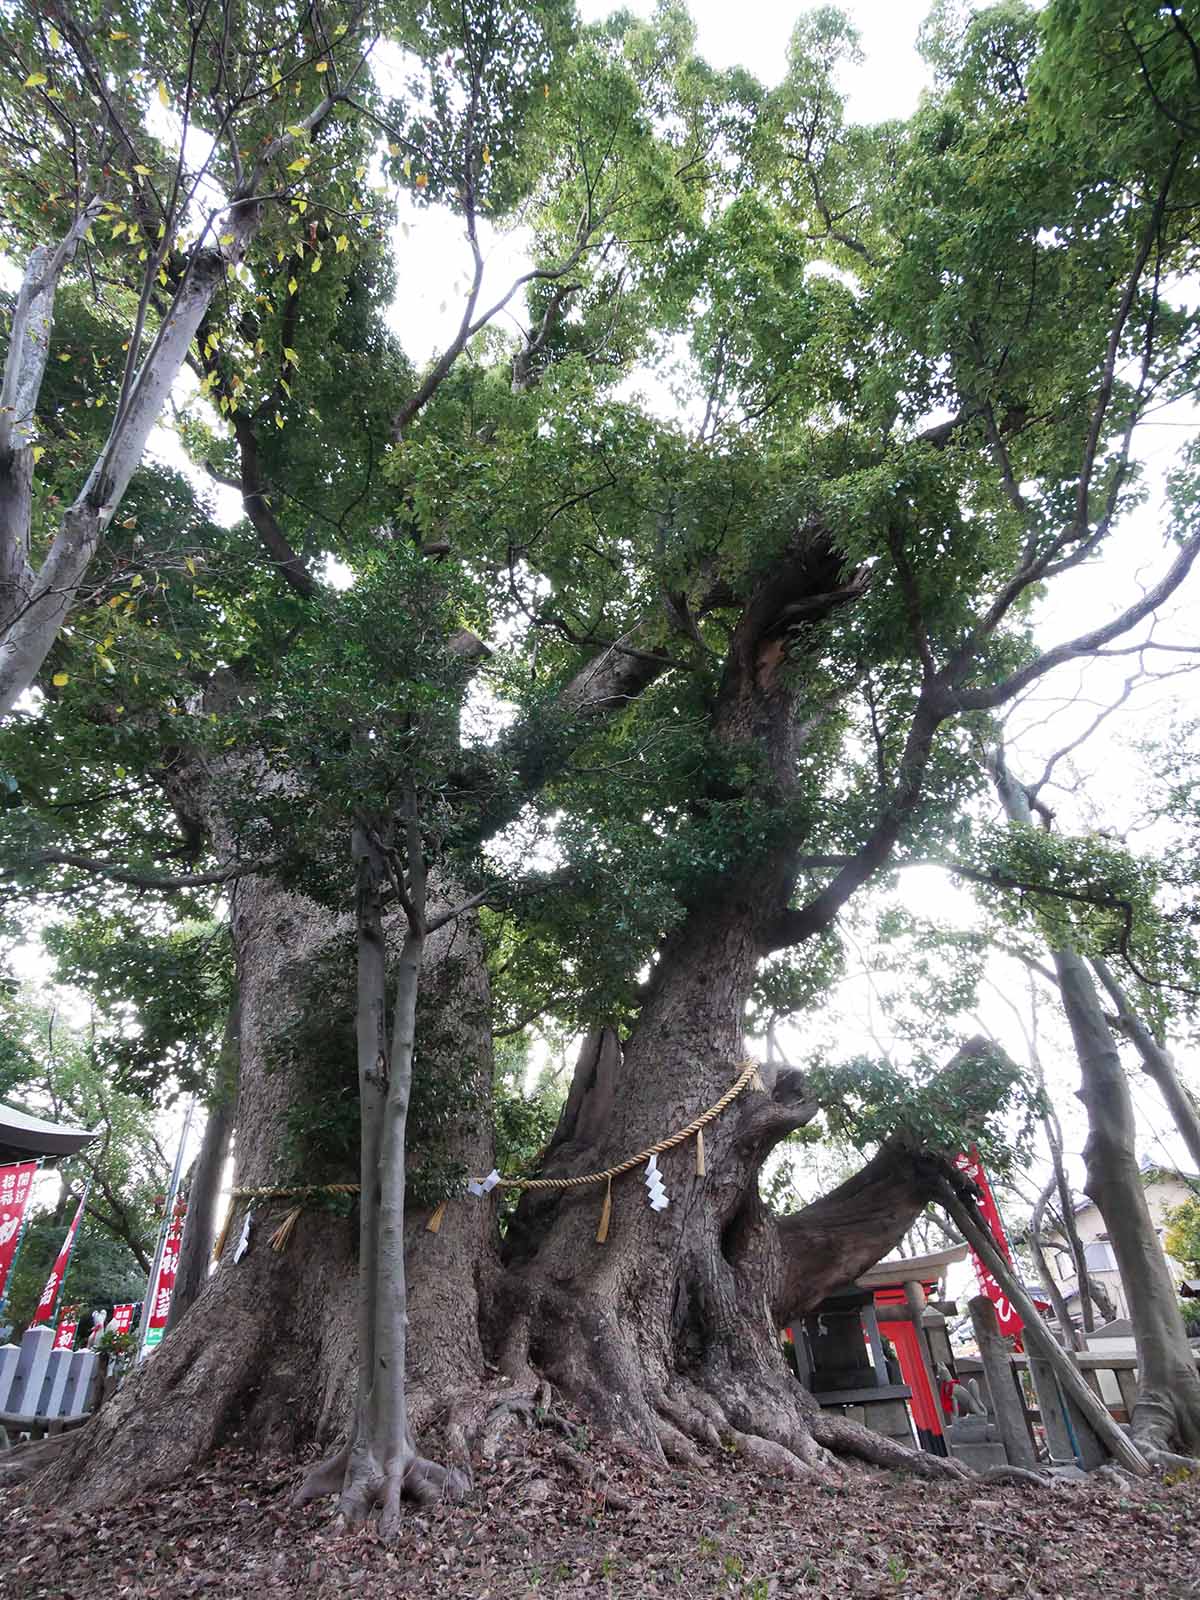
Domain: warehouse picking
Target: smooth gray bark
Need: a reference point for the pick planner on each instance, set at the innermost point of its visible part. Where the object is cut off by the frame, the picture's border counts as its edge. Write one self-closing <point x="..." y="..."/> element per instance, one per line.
<point x="200" y="1228"/>
<point x="1168" y="1408"/>
<point x="1156" y="1061"/>
<point x="1059" y="1306"/>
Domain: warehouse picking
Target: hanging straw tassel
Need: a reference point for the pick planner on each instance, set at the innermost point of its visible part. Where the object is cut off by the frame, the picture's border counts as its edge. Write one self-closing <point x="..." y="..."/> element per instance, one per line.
<point x="279" y="1239"/>
<point x="605" y="1214"/>
<point x="700" y="1168"/>
<point x="435" y="1220"/>
<point x="223" y="1236"/>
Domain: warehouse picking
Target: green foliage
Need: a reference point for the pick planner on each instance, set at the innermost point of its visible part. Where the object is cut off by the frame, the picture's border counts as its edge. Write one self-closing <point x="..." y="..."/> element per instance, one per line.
<point x="102" y="1272"/>
<point x="979" y="1099"/>
<point x="55" y="1069"/>
<point x="1182" y="1236"/>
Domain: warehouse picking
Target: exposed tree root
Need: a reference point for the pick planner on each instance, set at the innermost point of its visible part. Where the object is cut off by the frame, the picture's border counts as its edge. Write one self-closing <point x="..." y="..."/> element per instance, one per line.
<point x="367" y="1488"/>
<point x="844" y="1437"/>
<point x="596" y="1483"/>
<point x="1014" y="1475"/>
<point x="23" y="1460"/>
<point x="1168" y="1460"/>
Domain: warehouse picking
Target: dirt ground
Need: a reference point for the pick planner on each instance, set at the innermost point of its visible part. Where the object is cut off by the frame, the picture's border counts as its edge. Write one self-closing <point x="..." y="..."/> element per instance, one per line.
<point x="570" y="1518"/>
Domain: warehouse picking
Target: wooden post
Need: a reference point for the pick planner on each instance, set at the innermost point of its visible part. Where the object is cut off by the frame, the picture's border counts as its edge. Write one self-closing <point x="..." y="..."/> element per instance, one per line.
<point x="1069" y="1436"/>
<point x="1127" y="1384"/>
<point x="870" y="1324"/>
<point x="1039" y="1338"/>
<point x="1008" y="1407"/>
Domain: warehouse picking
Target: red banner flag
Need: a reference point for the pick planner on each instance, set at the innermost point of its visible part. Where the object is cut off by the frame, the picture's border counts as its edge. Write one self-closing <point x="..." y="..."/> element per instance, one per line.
<point x="164" y="1286"/>
<point x="45" y="1306"/>
<point x="64" y="1339"/>
<point x="1008" y="1318"/>
<point x="15" y="1183"/>
<point x="121" y="1320"/>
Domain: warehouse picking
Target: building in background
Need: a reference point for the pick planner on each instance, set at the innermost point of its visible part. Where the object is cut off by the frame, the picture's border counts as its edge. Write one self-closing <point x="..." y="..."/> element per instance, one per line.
<point x="1165" y="1189"/>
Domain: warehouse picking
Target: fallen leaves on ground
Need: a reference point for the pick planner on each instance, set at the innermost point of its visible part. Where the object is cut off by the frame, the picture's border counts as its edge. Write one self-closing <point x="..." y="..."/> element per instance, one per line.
<point x="600" y="1523"/>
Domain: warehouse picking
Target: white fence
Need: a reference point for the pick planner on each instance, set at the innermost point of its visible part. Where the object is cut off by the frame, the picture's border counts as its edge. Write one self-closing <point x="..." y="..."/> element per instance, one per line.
<point x="41" y="1387"/>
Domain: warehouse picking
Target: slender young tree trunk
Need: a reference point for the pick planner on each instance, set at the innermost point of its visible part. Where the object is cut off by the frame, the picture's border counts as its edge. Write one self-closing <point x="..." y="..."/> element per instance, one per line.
<point x="1156" y="1061"/>
<point x="204" y="1191"/>
<point x="379" y="1464"/>
<point x="1066" y="1207"/>
<point x="1059" y="1306"/>
<point x="1167" y="1413"/>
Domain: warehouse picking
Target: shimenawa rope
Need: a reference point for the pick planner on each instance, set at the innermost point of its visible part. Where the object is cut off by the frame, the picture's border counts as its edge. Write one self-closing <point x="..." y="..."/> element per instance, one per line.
<point x="695" y="1128"/>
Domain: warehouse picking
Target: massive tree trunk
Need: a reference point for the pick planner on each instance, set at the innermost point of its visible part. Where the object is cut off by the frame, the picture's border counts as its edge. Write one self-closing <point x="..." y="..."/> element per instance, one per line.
<point x="669" y="1332"/>
<point x="267" y="1354"/>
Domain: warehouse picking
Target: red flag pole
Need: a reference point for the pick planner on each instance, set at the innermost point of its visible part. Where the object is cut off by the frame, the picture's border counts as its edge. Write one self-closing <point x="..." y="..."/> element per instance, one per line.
<point x="58" y="1273"/>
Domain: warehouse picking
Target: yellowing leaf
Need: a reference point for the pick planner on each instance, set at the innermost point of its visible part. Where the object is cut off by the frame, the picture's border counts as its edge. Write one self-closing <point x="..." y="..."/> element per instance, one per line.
<point x="422" y="181"/>
<point x="35" y="80"/>
<point x="278" y="420"/>
<point x="341" y="243"/>
<point x="487" y="156"/>
<point x="142" y="169"/>
<point x="190" y="565"/>
<point x="162" y="93"/>
<point x="117" y="34"/>
<point x="299" y="164"/>
<point x="545" y="91"/>
<point x="290" y="355"/>
<point x="55" y="38"/>
<point x="339" y="30"/>
<point x="39" y="450"/>
<point x="316" y="266"/>
<point x="136" y="581"/>
<point x="292" y="285"/>
<point x="60" y="680"/>
<point x="226" y="238"/>
<point x="322" y="66"/>
<point x="119" y="229"/>
<point x="105" y="663"/>
<point x="407" y="167"/>
<point x="360" y="172"/>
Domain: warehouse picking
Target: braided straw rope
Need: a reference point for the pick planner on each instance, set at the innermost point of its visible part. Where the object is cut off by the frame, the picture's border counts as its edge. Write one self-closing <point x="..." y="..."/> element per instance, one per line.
<point x="693" y="1130"/>
<point x="749" y="1074"/>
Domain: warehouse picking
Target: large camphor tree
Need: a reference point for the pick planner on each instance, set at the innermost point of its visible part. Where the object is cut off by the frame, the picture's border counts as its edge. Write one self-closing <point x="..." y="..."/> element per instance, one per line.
<point x="745" y="653"/>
